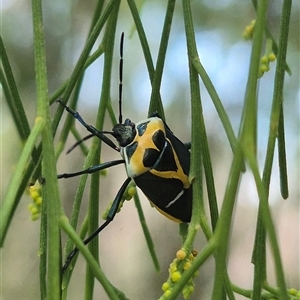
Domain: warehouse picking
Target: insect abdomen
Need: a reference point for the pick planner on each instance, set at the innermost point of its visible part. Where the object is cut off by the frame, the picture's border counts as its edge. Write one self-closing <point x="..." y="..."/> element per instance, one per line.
<point x="167" y="186"/>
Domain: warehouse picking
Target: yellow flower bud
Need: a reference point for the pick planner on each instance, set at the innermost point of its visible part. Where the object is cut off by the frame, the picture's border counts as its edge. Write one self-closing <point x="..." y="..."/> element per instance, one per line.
<point x="165" y="286"/>
<point x="272" y="57"/>
<point x="187" y="265"/>
<point x="180" y="254"/>
<point x="175" y="276"/>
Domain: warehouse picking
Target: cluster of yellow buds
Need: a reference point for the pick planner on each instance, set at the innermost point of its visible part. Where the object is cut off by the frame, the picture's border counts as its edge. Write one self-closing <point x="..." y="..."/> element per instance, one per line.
<point x="269" y="55"/>
<point x="264" y="63"/>
<point x="129" y="193"/>
<point x="36" y="205"/>
<point x="294" y="293"/>
<point x="248" y="32"/>
<point x="181" y="263"/>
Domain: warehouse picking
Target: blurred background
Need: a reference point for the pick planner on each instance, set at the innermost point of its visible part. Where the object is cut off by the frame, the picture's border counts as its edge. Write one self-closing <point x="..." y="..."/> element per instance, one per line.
<point x="225" y="55"/>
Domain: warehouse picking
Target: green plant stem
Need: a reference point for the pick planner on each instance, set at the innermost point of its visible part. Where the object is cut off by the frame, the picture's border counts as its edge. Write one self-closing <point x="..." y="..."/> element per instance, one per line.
<point x="268" y="223"/>
<point x="270" y="36"/>
<point x="217" y="103"/>
<point x="240" y="291"/>
<point x="146" y="49"/>
<point x="277" y="109"/>
<point x="70" y="243"/>
<point x="197" y="124"/>
<point x="199" y="137"/>
<point x="73" y="222"/>
<point x="8" y="204"/>
<point x="96" y="145"/>
<point x="156" y="105"/>
<point x="202" y="256"/>
<point x="275" y="122"/>
<point x="222" y="230"/>
<point x="142" y="36"/>
<point x="43" y="249"/>
<point x="249" y="137"/>
<point x="13" y="97"/>
<point x="199" y="149"/>
<point x="48" y="163"/>
<point x="82" y="60"/>
<point x="21" y="122"/>
<point x="93" y="57"/>
<point x="146" y="232"/>
<point x="73" y="103"/>
<point x="98" y="273"/>
<point x="14" y="192"/>
<point x="284" y="188"/>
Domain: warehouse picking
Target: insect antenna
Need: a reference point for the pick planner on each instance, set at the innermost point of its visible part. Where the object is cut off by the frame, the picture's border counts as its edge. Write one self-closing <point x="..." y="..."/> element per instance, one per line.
<point x="121" y="78"/>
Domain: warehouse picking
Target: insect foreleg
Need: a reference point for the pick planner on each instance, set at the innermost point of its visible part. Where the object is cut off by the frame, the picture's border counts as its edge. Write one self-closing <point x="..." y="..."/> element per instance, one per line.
<point x="92" y="169"/>
<point x="88" y="127"/>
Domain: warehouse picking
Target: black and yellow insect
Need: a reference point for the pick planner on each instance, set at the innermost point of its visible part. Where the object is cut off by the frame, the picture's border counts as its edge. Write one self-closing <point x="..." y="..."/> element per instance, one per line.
<point x="155" y="159"/>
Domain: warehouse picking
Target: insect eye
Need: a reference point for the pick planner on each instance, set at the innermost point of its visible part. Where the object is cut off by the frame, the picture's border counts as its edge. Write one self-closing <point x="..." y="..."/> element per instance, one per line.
<point x="128" y="122"/>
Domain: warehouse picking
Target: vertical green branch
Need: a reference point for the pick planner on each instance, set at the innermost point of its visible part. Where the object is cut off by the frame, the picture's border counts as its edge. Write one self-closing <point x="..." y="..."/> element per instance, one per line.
<point x="197" y="117"/>
<point x="93" y="213"/>
<point x="19" y="181"/>
<point x="248" y="139"/>
<point x="276" y="124"/>
<point x="249" y="136"/>
<point x="50" y="193"/>
<point x="155" y="101"/>
<point x="12" y="95"/>
<point x="276" y="117"/>
<point x="12" y="194"/>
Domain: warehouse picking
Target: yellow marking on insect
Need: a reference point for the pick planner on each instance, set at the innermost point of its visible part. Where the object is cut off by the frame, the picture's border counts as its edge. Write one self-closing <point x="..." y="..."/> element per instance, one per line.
<point x="135" y="166"/>
<point x="179" y="174"/>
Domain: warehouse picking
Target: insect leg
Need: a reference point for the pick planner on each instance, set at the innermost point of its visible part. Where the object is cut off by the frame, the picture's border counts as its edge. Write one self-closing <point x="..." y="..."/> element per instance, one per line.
<point x="88" y="127"/>
<point x="79" y="142"/>
<point x="112" y="212"/>
<point x="92" y="169"/>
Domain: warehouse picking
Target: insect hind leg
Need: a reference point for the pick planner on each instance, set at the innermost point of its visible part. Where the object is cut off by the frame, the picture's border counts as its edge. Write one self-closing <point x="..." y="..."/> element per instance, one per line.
<point x="112" y="212"/>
